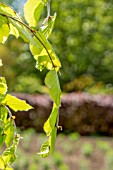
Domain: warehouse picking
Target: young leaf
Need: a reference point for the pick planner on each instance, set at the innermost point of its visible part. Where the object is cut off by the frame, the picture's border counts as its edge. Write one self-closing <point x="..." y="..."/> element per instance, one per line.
<point x="13" y="30"/>
<point x="9" y="132"/>
<point x="7" y="10"/>
<point x="50" y="123"/>
<point x="2" y="139"/>
<point x="4" y="32"/>
<point x="3" y="113"/>
<point x="3" y="87"/>
<point x="45" y="149"/>
<point x="16" y="104"/>
<point x="49" y="145"/>
<point x="9" y="154"/>
<point x="6" y="27"/>
<point x="47" y="26"/>
<point x="32" y="11"/>
<point x="52" y="82"/>
<point x="2" y="96"/>
<point x="2" y="165"/>
<point x="44" y="54"/>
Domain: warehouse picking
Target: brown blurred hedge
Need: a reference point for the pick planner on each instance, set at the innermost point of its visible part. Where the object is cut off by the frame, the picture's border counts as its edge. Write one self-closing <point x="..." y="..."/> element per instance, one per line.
<point x="80" y="112"/>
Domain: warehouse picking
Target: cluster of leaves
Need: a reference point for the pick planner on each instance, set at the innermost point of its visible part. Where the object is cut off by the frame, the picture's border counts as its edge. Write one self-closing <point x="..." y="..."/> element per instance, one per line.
<point x="11" y="23"/>
<point x="8" y="137"/>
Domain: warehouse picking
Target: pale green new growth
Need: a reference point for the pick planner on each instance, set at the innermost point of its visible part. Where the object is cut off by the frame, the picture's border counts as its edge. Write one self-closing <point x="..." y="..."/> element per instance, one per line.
<point x="35" y="8"/>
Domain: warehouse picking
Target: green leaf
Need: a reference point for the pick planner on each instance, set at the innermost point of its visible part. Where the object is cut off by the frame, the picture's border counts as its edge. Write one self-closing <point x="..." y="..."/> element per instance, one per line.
<point x="45" y="149"/>
<point x="48" y="25"/>
<point x="32" y="11"/>
<point x="1" y="63"/>
<point x="52" y="82"/>
<point x="7" y="10"/>
<point x="9" y="154"/>
<point x="3" y="114"/>
<point x="10" y="23"/>
<point x="2" y="140"/>
<point x="4" y="32"/>
<point x="49" y="145"/>
<point x="44" y="54"/>
<point x="13" y="30"/>
<point x="19" y="29"/>
<point x="16" y="104"/>
<point x="9" y="158"/>
<point x="3" y="86"/>
<point x="9" y="132"/>
<point x="50" y="123"/>
<point x="1" y="123"/>
<point x="8" y="168"/>
<point x="5" y="27"/>
<point x="2" y="165"/>
<point x="52" y="140"/>
<point x="2" y="96"/>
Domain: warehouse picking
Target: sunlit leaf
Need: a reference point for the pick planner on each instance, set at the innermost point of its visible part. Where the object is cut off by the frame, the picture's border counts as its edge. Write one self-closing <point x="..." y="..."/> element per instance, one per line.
<point x="50" y="123"/>
<point x="4" y="32"/>
<point x="32" y="11"/>
<point x="16" y="104"/>
<point x="14" y="31"/>
<point x="3" y="86"/>
<point x="2" y="165"/>
<point x="9" y="132"/>
<point x="5" y="26"/>
<point x="52" y="82"/>
<point x="9" y="154"/>
<point x="2" y="96"/>
<point x="3" y="113"/>
<point x="44" y="53"/>
<point x="7" y="10"/>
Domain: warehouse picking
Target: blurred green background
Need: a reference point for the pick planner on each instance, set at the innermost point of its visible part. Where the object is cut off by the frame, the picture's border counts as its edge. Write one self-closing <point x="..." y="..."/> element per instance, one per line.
<point x="82" y="39"/>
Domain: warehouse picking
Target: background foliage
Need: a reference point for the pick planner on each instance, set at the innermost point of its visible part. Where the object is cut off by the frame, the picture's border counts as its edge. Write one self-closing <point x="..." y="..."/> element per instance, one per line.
<point x="82" y="38"/>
